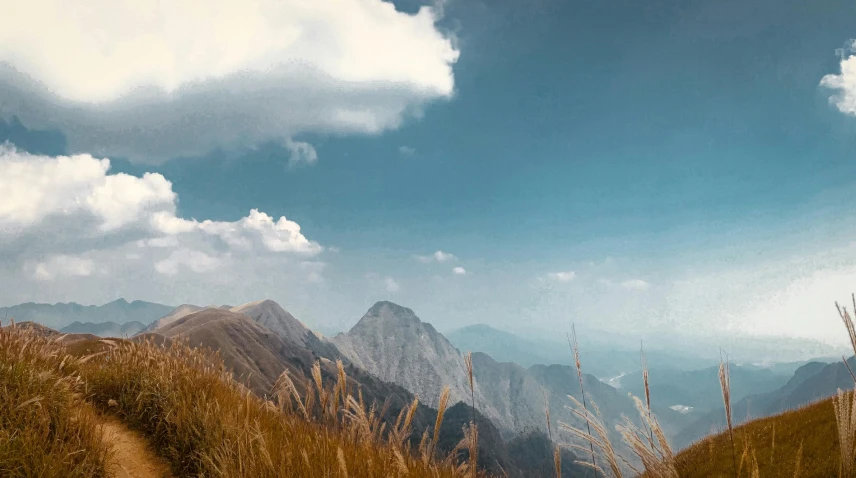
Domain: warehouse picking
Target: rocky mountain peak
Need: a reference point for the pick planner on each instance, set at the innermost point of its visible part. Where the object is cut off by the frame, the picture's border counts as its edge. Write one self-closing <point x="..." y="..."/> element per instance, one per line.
<point x="272" y="316"/>
<point x="386" y="315"/>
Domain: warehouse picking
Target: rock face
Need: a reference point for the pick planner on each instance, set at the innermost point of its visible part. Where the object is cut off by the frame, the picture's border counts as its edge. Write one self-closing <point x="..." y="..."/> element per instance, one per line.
<point x="270" y="315"/>
<point x="391" y="343"/>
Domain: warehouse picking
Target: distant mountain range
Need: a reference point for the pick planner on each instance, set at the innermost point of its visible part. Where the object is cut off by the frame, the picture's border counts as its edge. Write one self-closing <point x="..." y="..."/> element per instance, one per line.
<point x="601" y="360"/>
<point x="812" y="382"/>
<point x="392" y="355"/>
<point x="57" y="316"/>
<point x="104" y="329"/>
<point x="260" y="340"/>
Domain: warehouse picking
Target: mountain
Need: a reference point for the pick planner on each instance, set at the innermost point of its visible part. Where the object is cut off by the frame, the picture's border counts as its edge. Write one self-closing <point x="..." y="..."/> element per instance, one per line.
<point x="57" y="316"/>
<point x="257" y="356"/>
<point x="172" y="315"/>
<point x="810" y="383"/>
<point x="604" y="360"/>
<point x="391" y="342"/>
<point x="699" y="389"/>
<point x="807" y="435"/>
<point x="104" y="329"/>
<point x="270" y="315"/>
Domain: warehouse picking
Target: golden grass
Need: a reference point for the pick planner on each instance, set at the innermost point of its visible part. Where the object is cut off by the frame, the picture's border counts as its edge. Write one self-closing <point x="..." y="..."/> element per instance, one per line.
<point x="44" y="430"/>
<point x="805" y="445"/>
<point x="205" y="424"/>
<point x="196" y="416"/>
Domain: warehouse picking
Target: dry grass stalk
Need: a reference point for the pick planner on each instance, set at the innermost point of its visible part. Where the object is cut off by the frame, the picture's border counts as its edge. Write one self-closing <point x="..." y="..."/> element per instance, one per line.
<point x="472" y="436"/>
<point x="576" y="350"/>
<point x="845" y="416"/>
<point x="557" y="452"/>
<point x="798" y="462"/>
<point x="848" y="321"/>
<point x="656" y="455"/>
<point x="725" y="385"/>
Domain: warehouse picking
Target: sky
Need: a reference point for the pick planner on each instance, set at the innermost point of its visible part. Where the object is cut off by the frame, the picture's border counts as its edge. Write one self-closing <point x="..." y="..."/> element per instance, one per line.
<point x="639" y="167"/>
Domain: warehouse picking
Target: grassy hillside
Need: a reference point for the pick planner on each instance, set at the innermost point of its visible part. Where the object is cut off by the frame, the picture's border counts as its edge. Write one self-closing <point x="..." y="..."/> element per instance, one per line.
<point x="193" y="413"/>
<point x="44" y="430"/>
<point x="809" y="433"/>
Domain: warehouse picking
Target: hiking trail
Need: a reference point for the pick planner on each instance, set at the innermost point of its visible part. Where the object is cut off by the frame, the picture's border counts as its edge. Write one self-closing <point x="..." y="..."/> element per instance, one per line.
<point x="132" y="456"/>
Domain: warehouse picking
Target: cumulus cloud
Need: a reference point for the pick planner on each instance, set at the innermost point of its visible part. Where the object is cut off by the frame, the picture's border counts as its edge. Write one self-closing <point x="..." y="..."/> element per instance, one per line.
<point x="562" y="276"/>
<point x="407" y="150"/>
<point x="460" y="271"/>
<point x="844" y="83"/>
<point x="71" y="204"/>
<point x="187" y="80"/>
<point x="438" y="256"/>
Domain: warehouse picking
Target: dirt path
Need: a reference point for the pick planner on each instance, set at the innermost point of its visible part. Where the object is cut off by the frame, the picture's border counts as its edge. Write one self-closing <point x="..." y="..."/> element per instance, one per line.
<point x="132" y="456"/>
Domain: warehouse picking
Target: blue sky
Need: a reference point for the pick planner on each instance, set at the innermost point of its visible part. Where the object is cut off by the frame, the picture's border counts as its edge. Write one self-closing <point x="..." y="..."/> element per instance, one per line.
<point x="687" y="146"/>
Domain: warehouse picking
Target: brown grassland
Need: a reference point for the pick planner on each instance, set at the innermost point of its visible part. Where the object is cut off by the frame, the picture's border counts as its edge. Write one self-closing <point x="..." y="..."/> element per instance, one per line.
<point x="194" y="415"/>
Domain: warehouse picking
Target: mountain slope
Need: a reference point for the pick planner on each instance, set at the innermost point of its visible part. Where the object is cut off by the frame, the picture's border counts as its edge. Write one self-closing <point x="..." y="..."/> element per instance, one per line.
<point x="270" y="315"/>
<point x="57" y="316"/>
<point x="391" y="343"/>
<point x="811" y="382"/>
<point x="171" y="316"/>
<point x="258" y="356"/>
<point x="700" y="388"/>
<point x="810" y="431"/>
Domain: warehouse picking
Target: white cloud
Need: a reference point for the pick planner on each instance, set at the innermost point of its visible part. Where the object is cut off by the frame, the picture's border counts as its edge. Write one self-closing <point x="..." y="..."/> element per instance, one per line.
<point x="301" y="152"/>
<point x="844" y="83"/>
<point x="459" y="271"/>
<point x="636" y="284"/>
<point x="37" y="187"/>
<point x="562" y="276"/>
<point x="407" y="150"/>
<point x="630" y="284"/>
<point x="391" y="285"/>
<point x="438" y="256"/>
<point x="62" y="265"/>
<point x="187" y="80"/>
<point x="72" y="204"/>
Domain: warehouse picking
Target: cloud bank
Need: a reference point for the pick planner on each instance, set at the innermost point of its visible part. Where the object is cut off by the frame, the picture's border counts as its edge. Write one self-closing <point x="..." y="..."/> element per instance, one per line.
<point x="151" y="80"/>
<point x="67" y="216"/>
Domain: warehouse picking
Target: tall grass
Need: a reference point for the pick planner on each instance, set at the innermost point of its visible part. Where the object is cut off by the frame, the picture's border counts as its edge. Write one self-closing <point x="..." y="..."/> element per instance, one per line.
<point x="196" y="416"/>
<point x="845" y="403"/>
<point x="205" y="424"/>
<point x="648" y="442"/>
<point x="575" y="348"/>
<point x="725" y="385"/>
<point x="45" y="430"/>
<point x="471" y="435"/>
